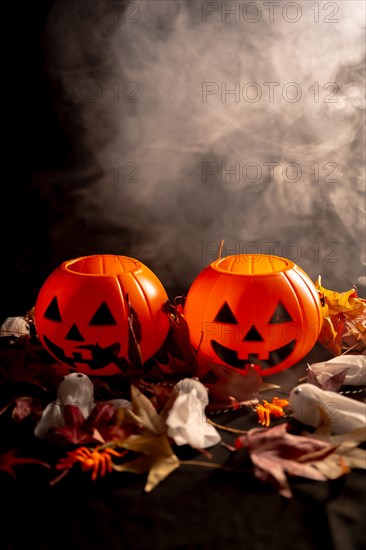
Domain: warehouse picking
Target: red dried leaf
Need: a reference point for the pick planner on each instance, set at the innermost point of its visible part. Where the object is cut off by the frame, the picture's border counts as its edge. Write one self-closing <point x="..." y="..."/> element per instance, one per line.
<point x="333" y="383"/>
<point x="175" y="367"/>
<point x="27" y="364"/>
<point x="103" y="418"/>
<point x="12" y="361"/>
<point x="101" y="414"/>
<point x="159" y="394"/>
<point x="26" y="406"/>
<point x="100" y="426"/>
<point x="76" y="429"/>
<point x="10" y="459"/>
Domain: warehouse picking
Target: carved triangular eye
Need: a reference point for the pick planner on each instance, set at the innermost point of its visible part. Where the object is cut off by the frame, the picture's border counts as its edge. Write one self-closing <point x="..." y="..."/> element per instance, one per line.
<point x="103" y="316"/>
<point x="281" y="315"/>
<point x="53" y="311"/>
<point x="253" y="335"/>
<point x="74" y="334"/>
<point x="225" y="315"/>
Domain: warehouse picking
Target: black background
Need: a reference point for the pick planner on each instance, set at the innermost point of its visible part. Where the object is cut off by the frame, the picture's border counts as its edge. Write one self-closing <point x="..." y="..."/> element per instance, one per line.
<point x="37" y="143"/>
<point x="39" y="146"/>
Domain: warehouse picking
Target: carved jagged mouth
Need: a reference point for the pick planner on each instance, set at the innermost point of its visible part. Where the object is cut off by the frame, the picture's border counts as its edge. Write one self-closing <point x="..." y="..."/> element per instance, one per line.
<point x="101" y="357"/>
<point x="230" y="356"/>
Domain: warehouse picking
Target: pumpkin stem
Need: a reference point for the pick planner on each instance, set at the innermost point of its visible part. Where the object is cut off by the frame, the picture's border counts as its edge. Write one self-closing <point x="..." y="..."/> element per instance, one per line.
<point x="220" y="249"/>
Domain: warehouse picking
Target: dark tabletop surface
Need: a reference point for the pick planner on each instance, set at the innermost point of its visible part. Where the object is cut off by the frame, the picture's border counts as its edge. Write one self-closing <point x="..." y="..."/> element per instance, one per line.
<point x="194" y="508"/>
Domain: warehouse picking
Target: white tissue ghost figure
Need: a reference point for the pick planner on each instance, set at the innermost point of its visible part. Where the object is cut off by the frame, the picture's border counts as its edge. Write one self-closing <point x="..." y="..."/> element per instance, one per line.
<point x="75" y="389"/>
<point x="14" y="327"/>
<point x="354" y="364"/>
<point x="345" y="414"/>
<point x="186" y="421"/>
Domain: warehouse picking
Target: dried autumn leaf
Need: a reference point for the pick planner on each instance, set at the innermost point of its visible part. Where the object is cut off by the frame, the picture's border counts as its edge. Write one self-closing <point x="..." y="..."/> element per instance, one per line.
<point x="333" y="383"/>
<point x="224" y="383"/>
<point x="9" y="460"/>
<point x="76" y="429"/>
<point x="105" y="418"/>
<point x="27" y="363"/>
<point x="276" y="454"/>
<point x="158" y="458"/>
<point x="174" y="366"/>
<point x="181" y="336"/>
<point x="346" y="369"/>
<point x="344" y="320"/>
<point x="345" y="458"/>
<point x="102" y="425"/>
<point x="350" y="439"/>
<point x="134" y="336"/>
<point x="144" y="413"/>
<point x="347" y="454"/>
<point x="161" y="395"/>
<point x="12" y="361"/>
<point x="26" y="406"/>
<point x="340" y="302"/>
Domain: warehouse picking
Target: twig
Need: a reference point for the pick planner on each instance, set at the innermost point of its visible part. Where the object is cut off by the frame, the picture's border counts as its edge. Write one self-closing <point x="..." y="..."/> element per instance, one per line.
<point x="226" y="428"/>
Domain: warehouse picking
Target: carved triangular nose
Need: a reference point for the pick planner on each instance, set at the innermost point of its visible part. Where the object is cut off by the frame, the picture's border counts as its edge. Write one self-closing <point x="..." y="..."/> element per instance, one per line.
<point x="74" y="334"/>
<point x="252" y="335"/>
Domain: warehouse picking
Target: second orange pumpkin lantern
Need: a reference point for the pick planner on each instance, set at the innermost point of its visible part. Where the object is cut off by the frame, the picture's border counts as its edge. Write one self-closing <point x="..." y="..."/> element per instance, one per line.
<point x="257" y="309"/>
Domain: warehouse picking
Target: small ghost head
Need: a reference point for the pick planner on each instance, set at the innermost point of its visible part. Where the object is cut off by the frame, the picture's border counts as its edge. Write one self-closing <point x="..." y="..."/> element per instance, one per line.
<point x="75" y="388"/>
<point x="189" y="384"/>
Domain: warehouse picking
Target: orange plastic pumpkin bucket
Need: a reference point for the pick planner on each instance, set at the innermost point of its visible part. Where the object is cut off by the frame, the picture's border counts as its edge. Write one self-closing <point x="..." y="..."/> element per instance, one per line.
<point x="252" y="309"/>
<point x="82" y="310"/>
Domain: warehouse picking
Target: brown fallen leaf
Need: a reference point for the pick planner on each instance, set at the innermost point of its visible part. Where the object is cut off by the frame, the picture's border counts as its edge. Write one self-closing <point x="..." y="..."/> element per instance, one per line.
<point x="346" y="456"/>
<point x="158" y="458"/>
<point x="276" y="454"/>
<point x="227" y="387"/>
<point x="144" y="414"/>
<point x="174" y="367"/>
<point x="134" y="336"/>
<point x="159" y="394"/>
<point x="181" y="336"/>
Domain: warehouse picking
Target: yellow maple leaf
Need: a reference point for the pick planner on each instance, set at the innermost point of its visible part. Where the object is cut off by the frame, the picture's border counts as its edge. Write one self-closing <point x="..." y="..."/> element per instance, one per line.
<point x="158" y="458"/>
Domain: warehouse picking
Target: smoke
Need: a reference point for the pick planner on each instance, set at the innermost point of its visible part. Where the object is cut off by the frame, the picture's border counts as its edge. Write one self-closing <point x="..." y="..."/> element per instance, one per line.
<point x="196" y="125"/>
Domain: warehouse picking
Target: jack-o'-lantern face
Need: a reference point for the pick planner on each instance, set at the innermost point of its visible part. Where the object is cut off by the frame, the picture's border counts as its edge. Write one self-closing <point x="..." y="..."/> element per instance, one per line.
<point x="252" y="309"/>
<point x="82" y="312"/>
<point x="253" y="339"/>
<point x="76" y="350"/>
